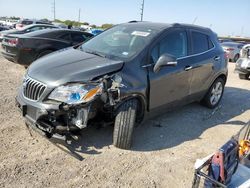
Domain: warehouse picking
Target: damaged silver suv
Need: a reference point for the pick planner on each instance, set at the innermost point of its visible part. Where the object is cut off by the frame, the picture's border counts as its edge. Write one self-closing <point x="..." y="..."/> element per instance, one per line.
<point x="121" y="77"/>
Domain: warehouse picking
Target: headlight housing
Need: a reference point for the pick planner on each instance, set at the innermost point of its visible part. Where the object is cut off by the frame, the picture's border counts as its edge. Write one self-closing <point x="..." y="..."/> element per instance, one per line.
<point x="76" y="93"/>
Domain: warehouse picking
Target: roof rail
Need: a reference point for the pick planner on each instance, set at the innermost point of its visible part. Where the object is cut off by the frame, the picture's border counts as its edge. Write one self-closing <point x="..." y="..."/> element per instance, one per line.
<point x="176" y="24"/>
<point x="133" y="21"/>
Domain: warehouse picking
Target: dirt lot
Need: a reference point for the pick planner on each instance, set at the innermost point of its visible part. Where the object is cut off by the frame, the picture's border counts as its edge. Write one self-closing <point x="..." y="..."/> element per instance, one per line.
<point x="163" y="153"/>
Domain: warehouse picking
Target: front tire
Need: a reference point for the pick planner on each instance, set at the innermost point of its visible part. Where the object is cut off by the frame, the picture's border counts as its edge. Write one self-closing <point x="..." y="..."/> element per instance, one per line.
<point x="124" y="124"/>
<point x="214" y="94"/>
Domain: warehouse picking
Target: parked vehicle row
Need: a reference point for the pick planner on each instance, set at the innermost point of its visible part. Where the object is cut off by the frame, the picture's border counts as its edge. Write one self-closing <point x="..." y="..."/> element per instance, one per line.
<point x="25" y="22"/>
<point x="27" y="29"/>
<point x="122" y="76"/>
<point x="26" y="48"/>
<point x="243" y="64"/>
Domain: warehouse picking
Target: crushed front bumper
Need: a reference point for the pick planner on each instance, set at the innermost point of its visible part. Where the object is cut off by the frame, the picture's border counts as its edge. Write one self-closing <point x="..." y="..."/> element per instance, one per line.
<point x="33" y="111"/>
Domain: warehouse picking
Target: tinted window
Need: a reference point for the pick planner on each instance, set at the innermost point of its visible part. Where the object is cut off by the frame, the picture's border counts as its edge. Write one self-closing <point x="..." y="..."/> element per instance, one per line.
<point x="36" y="28"/>
<point x="201" y="42"/>
<point x="77" y="37"/>
<point x="174" y="43"/>
<point x="65" y="36"/>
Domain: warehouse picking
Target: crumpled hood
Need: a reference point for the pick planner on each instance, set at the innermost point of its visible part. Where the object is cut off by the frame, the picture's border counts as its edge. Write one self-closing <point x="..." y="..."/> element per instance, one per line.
<point x="70" y="65"/>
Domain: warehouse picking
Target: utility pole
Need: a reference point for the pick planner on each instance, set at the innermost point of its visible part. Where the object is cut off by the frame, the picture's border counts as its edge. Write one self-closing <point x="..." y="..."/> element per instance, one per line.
<point x="242" y="31"/>
<point x="142" y="10"/>
<point x="54" y="9"/>
<point x="79" y="16"/>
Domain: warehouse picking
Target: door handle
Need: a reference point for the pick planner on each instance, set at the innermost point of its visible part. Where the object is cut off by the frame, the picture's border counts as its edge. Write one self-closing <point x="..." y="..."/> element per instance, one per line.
<point x="187" y="68"/>
<point x="217" y="58"/>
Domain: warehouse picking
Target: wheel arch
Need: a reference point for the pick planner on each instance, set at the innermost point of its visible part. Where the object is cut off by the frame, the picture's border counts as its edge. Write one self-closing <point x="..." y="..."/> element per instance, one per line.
<point x="142" y="104"/>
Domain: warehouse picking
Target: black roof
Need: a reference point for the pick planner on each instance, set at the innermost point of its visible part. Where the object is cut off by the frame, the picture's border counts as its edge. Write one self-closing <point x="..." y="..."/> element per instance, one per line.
<point x="44" y="31"/>
<point x="161" y="26"/>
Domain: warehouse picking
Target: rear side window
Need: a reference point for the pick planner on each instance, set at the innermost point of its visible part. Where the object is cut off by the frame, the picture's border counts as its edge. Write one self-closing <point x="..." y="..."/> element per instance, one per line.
<point x="201" y="42"/>
<point x="65" y="36"/>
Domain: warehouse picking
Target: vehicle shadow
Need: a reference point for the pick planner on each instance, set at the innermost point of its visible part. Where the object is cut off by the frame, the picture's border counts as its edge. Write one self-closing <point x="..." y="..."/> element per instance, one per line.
<point x="89" y="141"/>
<point x="171" y="129"/>
<point x="189" y="122"/>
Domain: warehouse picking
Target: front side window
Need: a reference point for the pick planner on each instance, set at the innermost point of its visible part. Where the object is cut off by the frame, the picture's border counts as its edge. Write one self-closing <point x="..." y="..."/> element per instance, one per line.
<point x="175" y="43"/>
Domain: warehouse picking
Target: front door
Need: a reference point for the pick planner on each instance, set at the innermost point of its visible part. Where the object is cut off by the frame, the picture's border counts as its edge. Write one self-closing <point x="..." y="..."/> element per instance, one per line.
<point x="170" y="84"/>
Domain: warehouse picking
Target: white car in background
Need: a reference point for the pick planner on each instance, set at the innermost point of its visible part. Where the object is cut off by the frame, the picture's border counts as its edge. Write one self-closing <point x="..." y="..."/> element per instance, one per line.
<point x="232" y="49"/>
<point x="25" y="22"/>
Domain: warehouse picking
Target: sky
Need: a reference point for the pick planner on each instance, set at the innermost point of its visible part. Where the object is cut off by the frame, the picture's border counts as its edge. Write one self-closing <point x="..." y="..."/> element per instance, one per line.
<point x="225" y="17"/>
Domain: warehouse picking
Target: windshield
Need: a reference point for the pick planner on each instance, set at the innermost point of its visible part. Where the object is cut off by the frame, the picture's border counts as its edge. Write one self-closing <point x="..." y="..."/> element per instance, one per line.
<point x="122" y="41"/>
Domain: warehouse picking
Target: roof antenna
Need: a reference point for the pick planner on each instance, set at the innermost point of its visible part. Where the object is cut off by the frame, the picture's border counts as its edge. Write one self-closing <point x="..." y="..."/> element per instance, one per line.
<point x="195" y="20"/>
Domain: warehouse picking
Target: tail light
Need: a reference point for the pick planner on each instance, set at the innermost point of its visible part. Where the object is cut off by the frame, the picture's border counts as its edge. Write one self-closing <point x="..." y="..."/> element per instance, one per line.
<point x="13" y="42"/>
<point x="20" y="25"/>
<point x="230" y="49"/>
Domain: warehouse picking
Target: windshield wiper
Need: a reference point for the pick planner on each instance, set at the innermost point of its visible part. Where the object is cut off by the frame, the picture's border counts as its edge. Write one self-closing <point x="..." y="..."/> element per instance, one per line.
<point x="96" y="53"/>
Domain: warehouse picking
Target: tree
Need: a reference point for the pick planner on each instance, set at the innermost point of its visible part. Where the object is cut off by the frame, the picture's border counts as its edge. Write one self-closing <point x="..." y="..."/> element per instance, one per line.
<point x="14" y="18"/>
<point x="85" y="23"/>
<point x="107" y="26"/>
<point x="94" y="26"/>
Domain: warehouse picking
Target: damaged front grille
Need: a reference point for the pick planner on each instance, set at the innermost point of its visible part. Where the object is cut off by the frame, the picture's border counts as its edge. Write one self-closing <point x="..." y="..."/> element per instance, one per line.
<point x="33" y="89"/>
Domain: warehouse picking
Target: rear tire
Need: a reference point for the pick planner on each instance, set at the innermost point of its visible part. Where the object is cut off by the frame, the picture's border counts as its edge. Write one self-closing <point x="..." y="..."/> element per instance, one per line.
<point x="244" y="76"/>
<point x="124" y="124"/>
<point x="214" y="94"/>
<point x="43" y="53"/>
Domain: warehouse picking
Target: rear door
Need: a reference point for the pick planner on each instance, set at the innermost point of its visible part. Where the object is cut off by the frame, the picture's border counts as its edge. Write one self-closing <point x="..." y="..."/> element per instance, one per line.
<point x="170" y="84"/>
<point x="204" y="59"/>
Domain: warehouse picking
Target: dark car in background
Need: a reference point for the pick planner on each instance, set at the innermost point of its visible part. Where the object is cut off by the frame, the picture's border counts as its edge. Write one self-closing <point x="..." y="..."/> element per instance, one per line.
<point x="26" y="48"/>
<point x="27" y="29"/>
<point x="124" y="75"/>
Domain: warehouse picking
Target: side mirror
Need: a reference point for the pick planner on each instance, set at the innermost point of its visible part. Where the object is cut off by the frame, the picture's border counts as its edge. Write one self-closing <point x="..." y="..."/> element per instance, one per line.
<point x="165" y="60"/>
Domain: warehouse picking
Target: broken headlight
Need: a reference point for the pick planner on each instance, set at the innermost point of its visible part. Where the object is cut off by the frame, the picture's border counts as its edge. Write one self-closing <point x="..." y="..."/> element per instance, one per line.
<point x="76" y="93"/>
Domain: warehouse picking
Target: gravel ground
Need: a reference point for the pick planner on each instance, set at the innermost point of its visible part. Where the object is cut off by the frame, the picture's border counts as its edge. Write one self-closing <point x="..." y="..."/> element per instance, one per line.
<point x="163" y="153"/>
